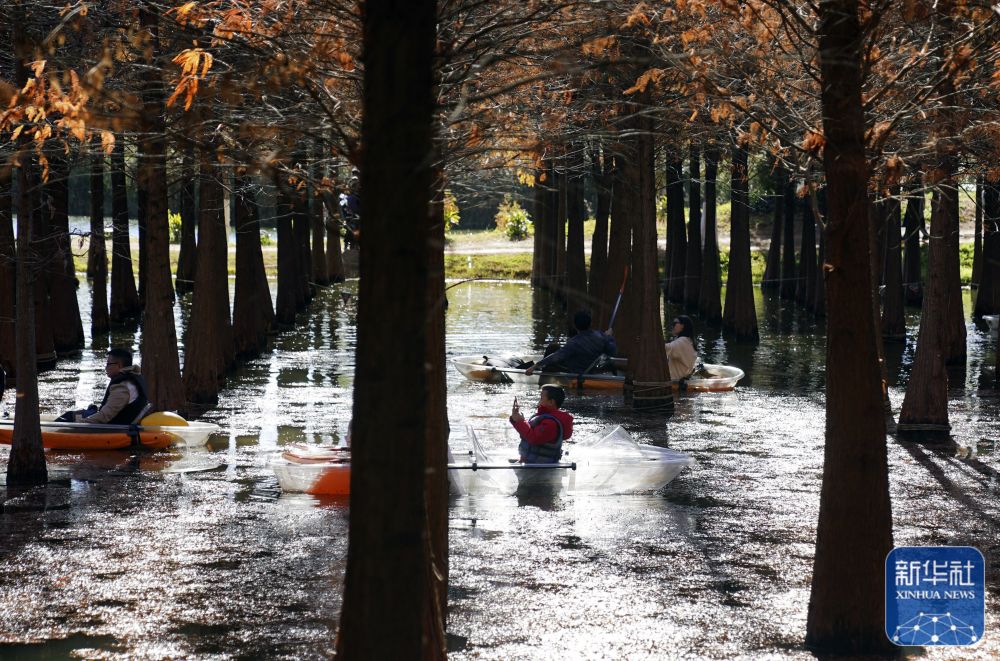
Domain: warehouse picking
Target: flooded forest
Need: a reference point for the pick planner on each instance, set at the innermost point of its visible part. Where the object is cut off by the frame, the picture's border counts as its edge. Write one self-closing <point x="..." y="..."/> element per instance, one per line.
<point x="426" y="329"/>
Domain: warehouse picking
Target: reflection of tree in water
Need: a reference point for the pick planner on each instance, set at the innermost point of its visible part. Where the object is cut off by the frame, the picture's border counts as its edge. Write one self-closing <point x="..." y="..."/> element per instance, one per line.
<point x="548" y="315"/>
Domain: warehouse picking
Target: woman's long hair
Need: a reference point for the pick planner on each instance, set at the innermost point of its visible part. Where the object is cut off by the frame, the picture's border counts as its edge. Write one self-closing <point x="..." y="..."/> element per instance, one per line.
<point x="687" y="327"/>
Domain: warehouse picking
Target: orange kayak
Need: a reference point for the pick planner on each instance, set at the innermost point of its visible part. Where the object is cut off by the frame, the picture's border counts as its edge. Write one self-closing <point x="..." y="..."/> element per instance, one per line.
<point x="154" y="432"/>
<point x="316" y="470"/>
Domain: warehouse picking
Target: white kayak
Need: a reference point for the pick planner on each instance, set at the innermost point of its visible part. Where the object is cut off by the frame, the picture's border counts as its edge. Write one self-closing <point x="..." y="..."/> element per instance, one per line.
<point x="512" y="370"/>
<point x="610" y="463"/>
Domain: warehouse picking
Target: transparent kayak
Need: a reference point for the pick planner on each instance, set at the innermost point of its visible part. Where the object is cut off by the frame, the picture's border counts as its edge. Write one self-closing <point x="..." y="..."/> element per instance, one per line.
<point x="511" y="370"/>
<point x="992" y="320"/>
<point x="87" y="436"/>
<point x="611" y="463"/>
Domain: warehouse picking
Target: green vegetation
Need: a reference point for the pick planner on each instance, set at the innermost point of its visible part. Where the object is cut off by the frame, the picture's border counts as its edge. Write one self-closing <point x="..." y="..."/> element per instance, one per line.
<point x="501" y="266"/>
<point x="451" y="214"/>
<point x="174" y="226"/>
<point x="512" y="220"/>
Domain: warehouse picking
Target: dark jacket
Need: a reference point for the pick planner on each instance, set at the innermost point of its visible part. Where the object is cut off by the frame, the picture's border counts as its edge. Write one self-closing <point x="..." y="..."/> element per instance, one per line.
<point x="119" y="407"/>
<point x="579" y="352"/>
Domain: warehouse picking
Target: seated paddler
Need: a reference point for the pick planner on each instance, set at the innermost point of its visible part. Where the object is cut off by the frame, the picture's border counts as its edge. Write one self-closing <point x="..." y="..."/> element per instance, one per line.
<point x="543" y="434"/>
<point x="581" y="351"/>
<point x="125" y="397"/>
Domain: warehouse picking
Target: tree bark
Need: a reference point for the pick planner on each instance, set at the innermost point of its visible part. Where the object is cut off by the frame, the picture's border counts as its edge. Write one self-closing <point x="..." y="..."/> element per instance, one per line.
<point x="317" y="213"/>
<point x="42" y="255"/>
<point x="739" y="320"/>
<point x="677" y="245"/>
<point x="893" y="313"/>
<point x="209" y="349"/>
<point x="142" y="217"/>
<point x="913" y="222"/>
<point x="539" y="243"/>
<point x="805" y="291"/>
<point x="601" y="175"/>
<point x="253" y="314"/>
<point x="389" y="553"/>
<point x="561" y="207"/>
<point x="771" y="281"/>
<point x="576" y="261"/>
<point x="284" y="306"/>
<point x="159" y="336"/>
<point x="977" y="240"/>
<point x="789" y="272"/>
<point x="619" y="254"/>
<point x="334" y="253"/>
<point x="692" y="280"/>
<point x="67" y="327"/>
<point x="99" y="322"/>
<point x="187" y="256"/>
<point x="854" y="534"/>
<point x="124" y="296"/>
<point x="301" y="226"/>
<point x="988" y="294"/>
<point x="8" y="270"/>
<point x="819" y="304"/>
<point x="710" y="302"/>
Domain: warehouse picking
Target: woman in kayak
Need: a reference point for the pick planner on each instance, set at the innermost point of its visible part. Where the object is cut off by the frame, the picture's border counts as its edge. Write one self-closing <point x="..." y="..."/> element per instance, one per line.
<point x="543" y="434"/>
<point x="681" y="353"/>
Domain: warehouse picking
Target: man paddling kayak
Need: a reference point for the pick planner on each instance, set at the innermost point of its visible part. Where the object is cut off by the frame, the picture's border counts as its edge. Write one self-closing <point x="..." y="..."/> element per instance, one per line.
<point x="543" y="434"/>
<point x="124" y="398"/>
<point x="581" y="351"/>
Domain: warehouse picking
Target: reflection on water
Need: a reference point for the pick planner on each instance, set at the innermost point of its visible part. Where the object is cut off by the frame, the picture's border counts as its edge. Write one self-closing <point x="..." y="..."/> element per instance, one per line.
<point x="195" y="553"/>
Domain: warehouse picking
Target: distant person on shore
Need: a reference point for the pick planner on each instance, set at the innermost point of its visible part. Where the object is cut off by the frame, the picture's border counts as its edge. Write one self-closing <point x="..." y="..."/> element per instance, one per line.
<point x="543" y="434"/>
<point x="580" y="351"/>
<point x="681" y="354"/>
<point x="124" y="398"/>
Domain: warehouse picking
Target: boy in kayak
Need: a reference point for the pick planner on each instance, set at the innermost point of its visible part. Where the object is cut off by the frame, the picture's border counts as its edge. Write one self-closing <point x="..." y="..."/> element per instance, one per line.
<point x="581" y="351"/>
<point x="124" y="398"/>
<point x="543" y="434"/>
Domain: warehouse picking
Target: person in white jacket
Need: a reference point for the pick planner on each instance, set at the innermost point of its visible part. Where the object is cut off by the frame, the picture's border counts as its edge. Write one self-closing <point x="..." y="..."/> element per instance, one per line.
<point x="681" y="354"/>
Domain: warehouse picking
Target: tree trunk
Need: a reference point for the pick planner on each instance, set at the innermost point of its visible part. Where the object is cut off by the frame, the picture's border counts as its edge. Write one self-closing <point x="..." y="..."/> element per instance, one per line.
<point x="739" y="319"/>
<point x="893" y="313"/>
<point x="710" y="303"/>
<point x="677" y="248"/>
<point x="42" y="254"/>
<point x="977" y="241"/>
<point x="8" y="270"/>
<point x="805" y="290"/>
<point x="317" y="213"/>
<point x="539" y="243"/>
<point x="819" y="304"/>
<point x="253" y="314"/>
<point x="284" y="306"/>
<point x="187" y="256"/>
<point x="576" y="261"/>
<point x="334" y="254"/>
<point x="854" y="534"/>
<point x="67" y="327"/>
<point x="124" y="296"/>
<point x="560" y="228"/>
<point x="209" y="349"/>
<point x="601" y="176"/>
<point x="692" y="281"/>
<point x="988" y="295"/>
<point x="789" y="273"/>
<point x="159" y="336"/>
<point x="628" y="323"/>
<point x="26" y="463"/>
<point x="142" y="218"/>
<point x="99" y="322"/>
<point x="771" y="281"/>
<point x="389" y="553"/>
<point x="301" y="225"/>
<point x="913" y="222"/>
<point x="619" y="255"/>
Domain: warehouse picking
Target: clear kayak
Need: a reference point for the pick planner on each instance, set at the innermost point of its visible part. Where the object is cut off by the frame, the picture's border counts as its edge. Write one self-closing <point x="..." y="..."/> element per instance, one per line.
<point x="154" y="432"/>
<point x="992" y="320"/>
<point x="512" y="370"/>
<point x="611" y="463"/>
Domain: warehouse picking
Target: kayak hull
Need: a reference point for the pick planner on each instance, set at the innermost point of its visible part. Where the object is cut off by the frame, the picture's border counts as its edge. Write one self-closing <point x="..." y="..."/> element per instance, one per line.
<point x="715" y="378"/>
<point x="315" y="470"/>
<point x="86" y="436"/>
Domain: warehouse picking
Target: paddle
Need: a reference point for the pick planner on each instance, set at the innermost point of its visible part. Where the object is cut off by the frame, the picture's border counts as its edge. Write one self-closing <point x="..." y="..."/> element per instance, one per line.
<point x="621" y="292"/>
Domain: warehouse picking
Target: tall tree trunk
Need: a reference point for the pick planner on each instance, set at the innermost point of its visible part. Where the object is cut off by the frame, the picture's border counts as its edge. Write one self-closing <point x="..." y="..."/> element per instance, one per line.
<point x="284" y="306"/>
<point x="334" y="253"/>
<point x="677" y="246"/>
<point x="988" y="295"/>
<point x="740" y="316"/>
<point x="893" y="313"/>
<point x="710" y="303"/>
<point x="187" y="255"/>
<point x="389" y="554"/>
<point x="124" y="296"/>
<point x="576" y="261"/>
<point x="303" y="261"/>
<point x="854" y="534"/>
<point x="977" y="240"/>
<point x="8" y="270"/>
<point x="913" y="223"/>
<point x="771" y="280"/>
<point x="99" y="322"/>
<point x="159" y="336"/>
<point x="26" y="464"/>
<point x="789" y="272"/>
<point x="142" y="219"/>
<point x="626" y="212"/>
<point x="539" y="243"/>
<point x="209" y="351"/>
<point x="692" y="281"/>
<point x="601" y="175"/>
<point x="805" y="290"/>
<point x="253" y="314"/>
<point x="317" y="213"/>
<point x="560" y="227"/>
<point x="819" y="302"/>
<point x="619" y="254"/>
<point x="43" y="254"/>
<point x="67" y="327"/>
